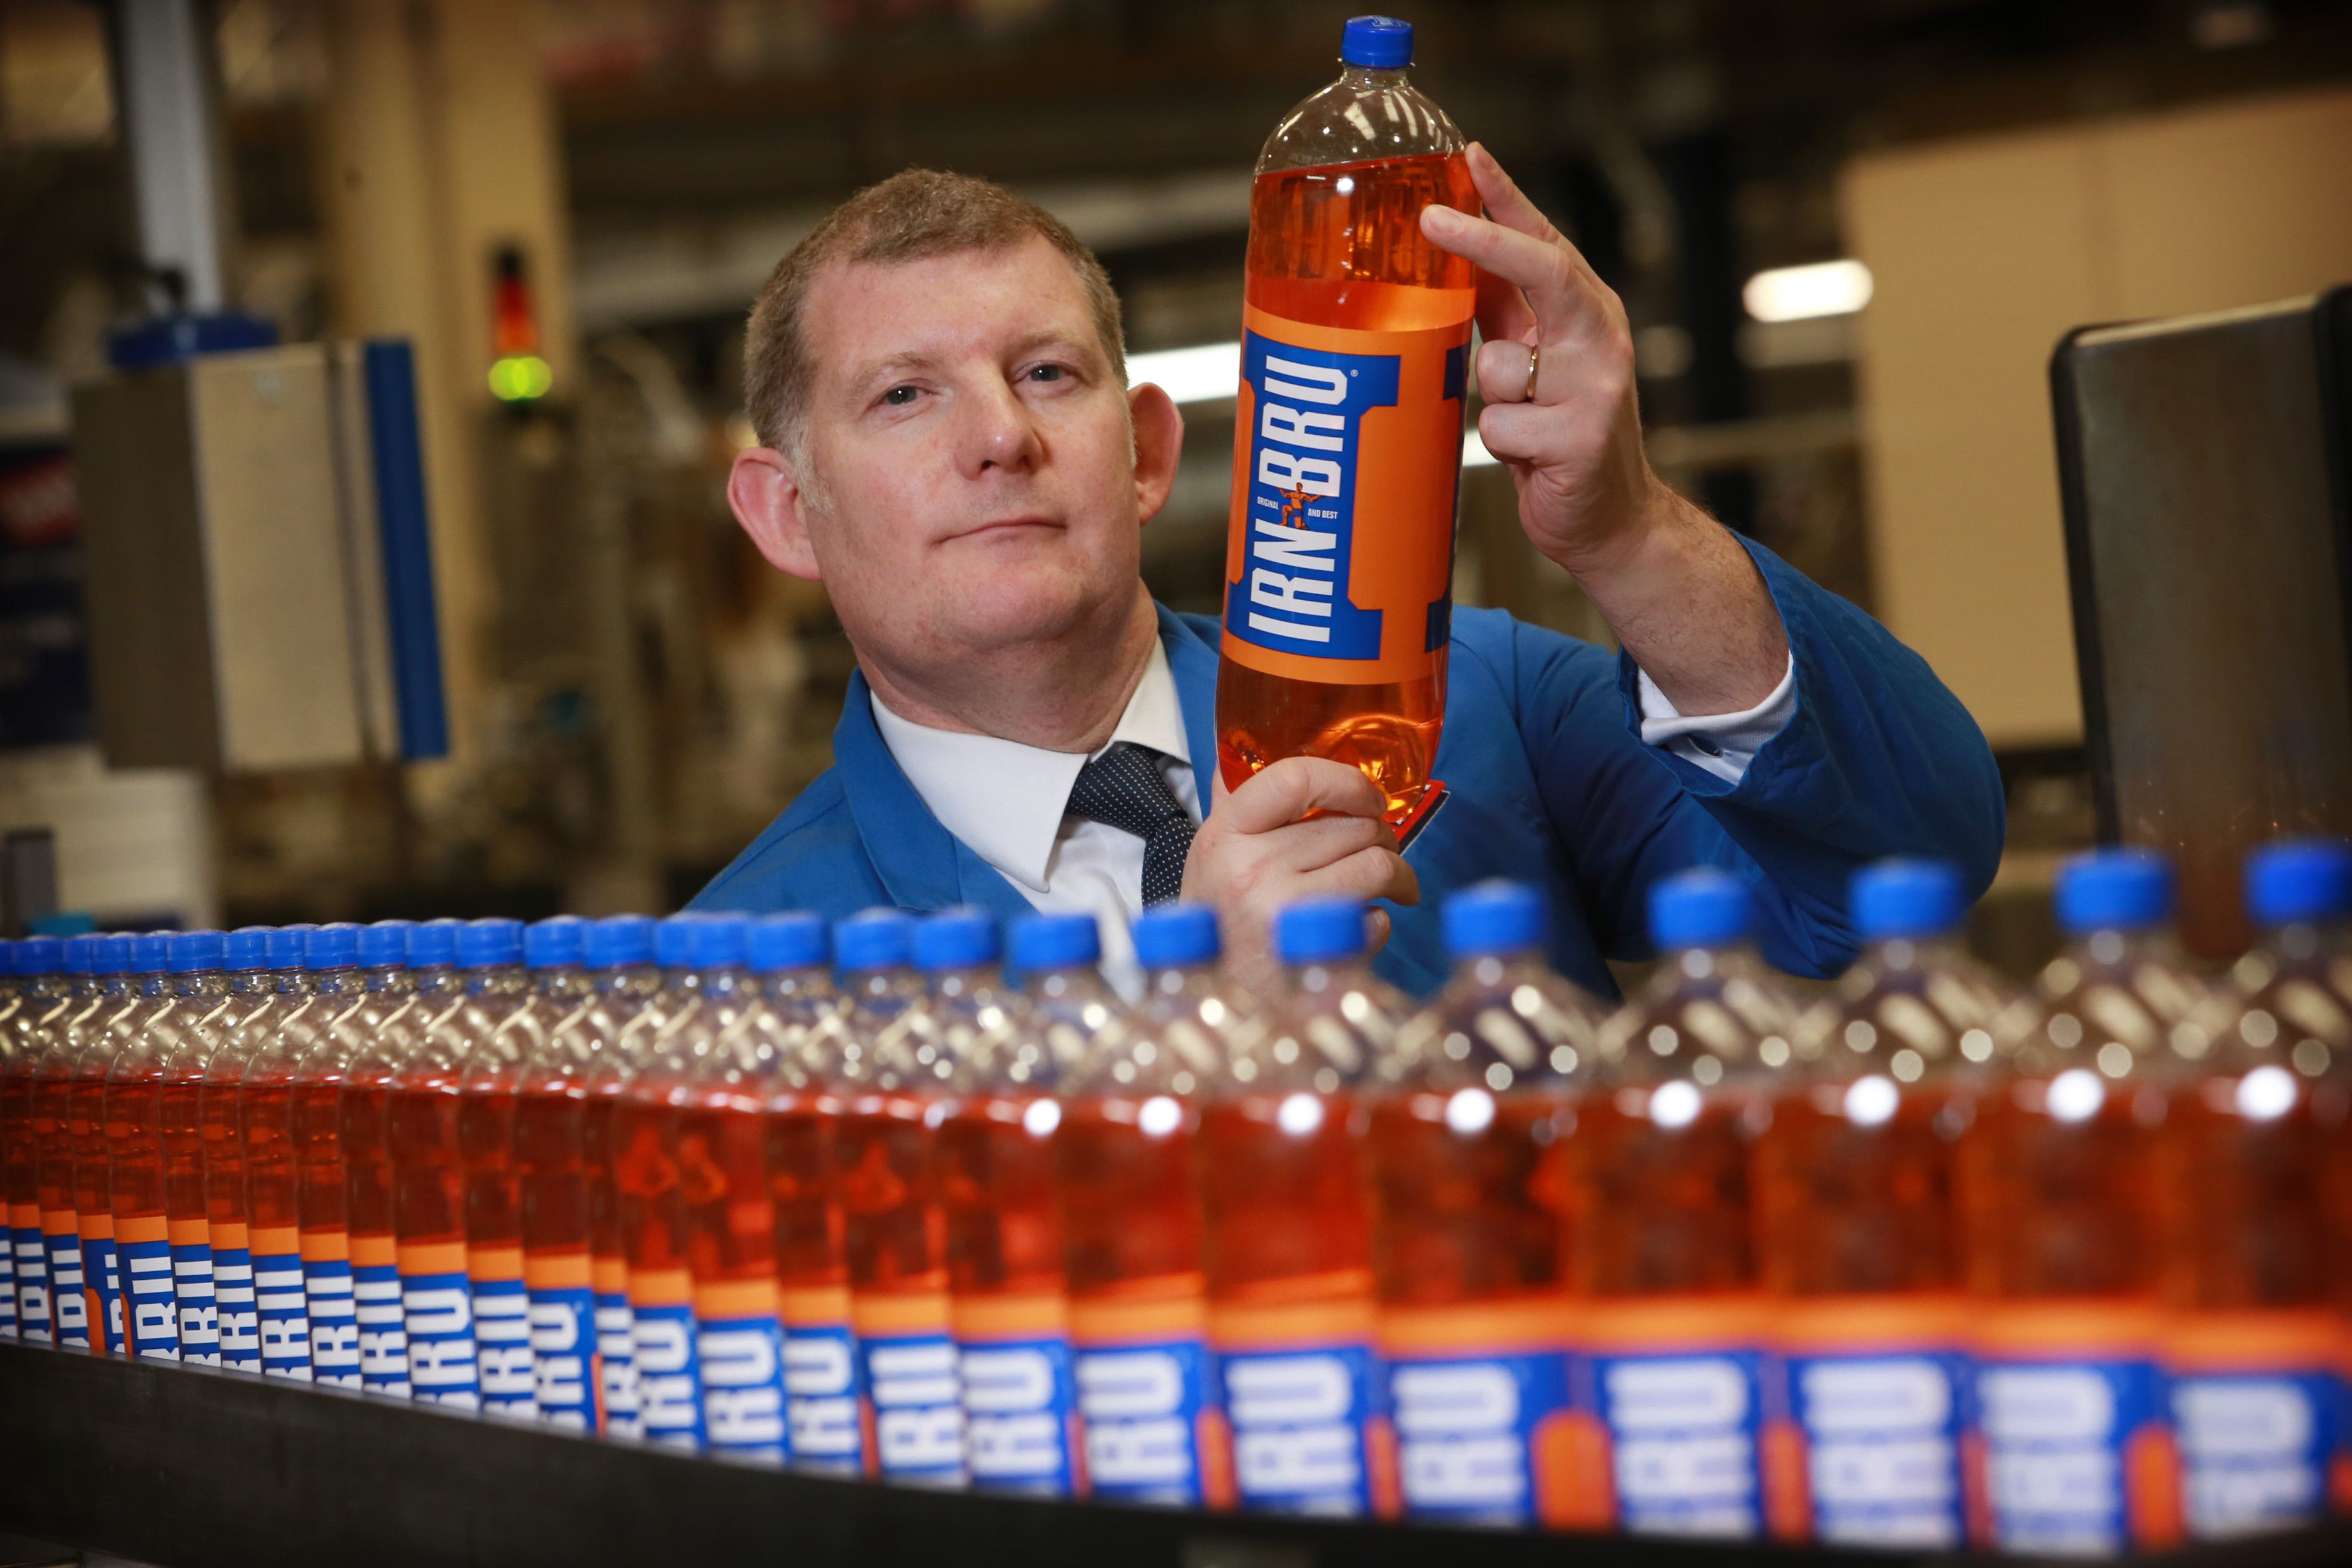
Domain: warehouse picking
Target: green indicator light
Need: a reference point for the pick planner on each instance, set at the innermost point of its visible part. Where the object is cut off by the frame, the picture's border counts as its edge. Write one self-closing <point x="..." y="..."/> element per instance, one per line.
<point x="520" y="378"/>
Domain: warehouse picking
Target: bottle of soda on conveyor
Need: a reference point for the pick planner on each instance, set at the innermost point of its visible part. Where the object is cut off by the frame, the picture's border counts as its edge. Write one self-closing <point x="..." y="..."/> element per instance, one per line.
<point x="1348" y="435"/>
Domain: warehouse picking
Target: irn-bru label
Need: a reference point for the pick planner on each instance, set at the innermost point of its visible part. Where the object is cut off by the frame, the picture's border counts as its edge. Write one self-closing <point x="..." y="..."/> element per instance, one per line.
<point x="669" y="1374"/>
<point x="501" y="1331"/>
<point x="2257" y="1414"/>
<point x="1308" y="1397"/>
<point x="68" y="1292"/>
<point x="284" y="1306"/>
<point x="1876" y="1390"/>
<point x="437" y="1314"/>
<point x="1341" y="541"/>
<point x="240" y="1315"/>
<point x="33" y="1325"/>
<point x="823" y="1391"/>
<point x="908" y="1358"/>
<point x="1150" y="1403"/>
<point x="102" y="1282"/>
<point x="2071" y="1412"/>
<point x="329" y="1291"/>
<point x="192" y="1291"/>
<point x="1487" y="1431"/>
<point x="8" y="1278"/>
<point x="563" y="1359"/>
<point x="1678" y="1385"/>
<point x="375" y="1308"/>
<point x="740" y="1340"/>
<point x="151" y="1305"/>
<point x="615" y="1346"/>
<point x="1019" y="1395"/>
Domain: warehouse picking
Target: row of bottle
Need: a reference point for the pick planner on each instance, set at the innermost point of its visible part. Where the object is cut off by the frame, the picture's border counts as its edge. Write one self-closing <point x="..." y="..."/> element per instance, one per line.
<point x="1930" y="1265"/>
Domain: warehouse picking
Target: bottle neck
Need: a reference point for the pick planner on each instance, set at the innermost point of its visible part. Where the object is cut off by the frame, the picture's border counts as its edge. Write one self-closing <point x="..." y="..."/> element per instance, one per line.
<point x="1373" y="77"/>
<point x="204" y="983"/>
<point x="632" y="980"/>
<point x="390" y="977"/>
<point x="251" y="982"/>
<point x="496" y="980"/>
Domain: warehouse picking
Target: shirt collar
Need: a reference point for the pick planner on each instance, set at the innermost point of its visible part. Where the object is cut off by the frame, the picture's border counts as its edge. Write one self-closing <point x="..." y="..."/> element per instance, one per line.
<point x="1006" y="801"/>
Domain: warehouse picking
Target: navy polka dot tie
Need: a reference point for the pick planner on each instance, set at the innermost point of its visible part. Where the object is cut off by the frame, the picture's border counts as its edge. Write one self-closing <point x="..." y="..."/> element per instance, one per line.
<point x="1123" y="788"/>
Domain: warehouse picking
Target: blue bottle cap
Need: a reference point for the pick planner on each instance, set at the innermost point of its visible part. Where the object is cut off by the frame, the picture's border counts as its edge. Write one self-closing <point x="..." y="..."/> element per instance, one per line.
<point x="247" y="948"/>
<point x="1494" y="917"/>
<point x="112" y="953"/>
<point x="151" y="953"/>
<point x="793" y="940"/>
<point x="716" y="942"/>
<point x="617" y="942"/>
<point x="488" y="942"/>
<point x="433" y="944"/>
<point x="1055" y="942"/>
<point x="672" y="934"/>
<point x="385" y="945"/>
<point x="1320" y="931"/>
<point x="41" y="956"/>
<point x="2114" y="889"/>
<point x="874" y="939"/>
<point x="194" y="952"/>
<point x="331" y="946"/>
<point x="1174" y="935"/>
<point x="1907" y="899"/>
<point x="2296" y="880"/>
<point x="285" y="945"/>
<point x="1379" y="43"/>
<point x="1701" y="908"/>
<point x="956" y="938"/>
<point x="553" y="942"/>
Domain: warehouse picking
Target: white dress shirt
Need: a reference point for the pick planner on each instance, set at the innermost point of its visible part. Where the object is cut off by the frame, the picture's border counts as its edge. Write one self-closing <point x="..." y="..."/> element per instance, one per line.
<point x="1006" y="802"/>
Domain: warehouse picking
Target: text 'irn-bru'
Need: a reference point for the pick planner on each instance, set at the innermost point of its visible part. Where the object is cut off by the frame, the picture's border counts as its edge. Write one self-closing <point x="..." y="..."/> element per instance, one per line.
<point x="1347" y="434"/>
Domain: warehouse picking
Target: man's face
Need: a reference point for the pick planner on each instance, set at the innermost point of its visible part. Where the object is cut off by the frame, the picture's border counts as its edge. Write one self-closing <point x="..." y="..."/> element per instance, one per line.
<point x="971" y="475"/>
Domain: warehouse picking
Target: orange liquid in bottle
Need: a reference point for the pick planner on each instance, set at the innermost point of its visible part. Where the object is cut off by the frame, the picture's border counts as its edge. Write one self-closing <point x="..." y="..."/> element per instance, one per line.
<point x="551" y="1172"/>
<point x="1849" y="1210"/>
<point x="1468" y="1220"/>
<point x="429" y="1171"/>
<point x="723" y="1180"/>
<point x="1285" y="1209"/>
<point x="1341" y="245"/>
<point x="997" y="1190"/>
<point x="809" y="1234"/>
<point x="1132" y="1226"/>
<point x="894" y="1232"/>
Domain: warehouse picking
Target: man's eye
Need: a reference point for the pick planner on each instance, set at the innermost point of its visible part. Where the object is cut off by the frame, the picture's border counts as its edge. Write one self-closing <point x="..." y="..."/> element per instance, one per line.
<point x="1048" y="372"/>
<point x="900" y="396"/>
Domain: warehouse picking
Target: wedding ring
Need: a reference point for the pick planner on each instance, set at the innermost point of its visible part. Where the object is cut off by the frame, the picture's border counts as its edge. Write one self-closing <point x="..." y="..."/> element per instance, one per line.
<point x="1535" y="364"/>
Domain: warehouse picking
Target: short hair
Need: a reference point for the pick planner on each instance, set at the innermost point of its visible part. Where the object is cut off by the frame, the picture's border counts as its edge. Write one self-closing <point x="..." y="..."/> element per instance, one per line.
<point x="909" y="216"/>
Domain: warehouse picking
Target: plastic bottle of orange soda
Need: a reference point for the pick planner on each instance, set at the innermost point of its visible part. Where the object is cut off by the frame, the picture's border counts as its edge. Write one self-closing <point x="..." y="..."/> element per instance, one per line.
<point x="1473" y="1234"/>
<point x="2256" y="1258"/>
<point x="1672" y="1320"/>
<point x="1348" y="435"/>
<point x="2061" y="1223"/>
<point x="1148" y="1387"/>
<point x="1858" y="1227"/>
<point x="1289" y="1243"/>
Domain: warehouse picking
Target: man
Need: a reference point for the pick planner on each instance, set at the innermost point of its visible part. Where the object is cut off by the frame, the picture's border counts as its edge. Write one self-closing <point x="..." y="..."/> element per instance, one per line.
<point x="949" y="445"/>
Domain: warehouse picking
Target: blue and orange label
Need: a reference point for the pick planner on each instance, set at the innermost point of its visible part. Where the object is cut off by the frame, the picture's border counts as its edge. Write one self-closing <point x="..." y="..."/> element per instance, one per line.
<point x="1308" y="1397"/>
<point x="1876" y="1392"/>
<point x="1347" y="461"/>
<point x="824" y="1395"/>
<point x="238" y="1315"/>
<point x="191" y="1290"/>
<point x="151" y="1305"/>
<point x="2257" y="1414"/>
<point x="327" y="1289"/>
<point x="68" y="1294"/>
<point x="565" y="1362"/>
<point x="285" y="1306"/>
<point x="2071" y="1432"/>
<point x="1151" y="1404"/>
<point x="608" y="1277"/>
<point x="740" y="1340"/>
<point x="668" y="1372"/>
<point x="1678" y="1389"/>
<point x="101" y="1282"/>
<point x="907" y="1358"/>
<point x="501" y="1331"/>
<point x="436" y="1316"/>
<point x="1487" y="1428"/>
<point x="375" y="1308"/>
<point x="8" y="1278"/>
<point x="1019" y="1395"/>
<point x="34" y="1323"/>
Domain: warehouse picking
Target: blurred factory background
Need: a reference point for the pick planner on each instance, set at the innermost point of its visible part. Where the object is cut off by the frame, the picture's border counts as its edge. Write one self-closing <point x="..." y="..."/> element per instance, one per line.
<point x="1849" y="233"/>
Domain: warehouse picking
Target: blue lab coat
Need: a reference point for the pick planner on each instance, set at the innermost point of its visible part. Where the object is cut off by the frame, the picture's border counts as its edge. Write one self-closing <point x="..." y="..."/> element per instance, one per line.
<point x="1549" y="783"/>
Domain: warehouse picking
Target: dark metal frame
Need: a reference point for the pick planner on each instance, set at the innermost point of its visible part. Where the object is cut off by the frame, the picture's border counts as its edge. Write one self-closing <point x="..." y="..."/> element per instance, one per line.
<point x="190" y="1468"/>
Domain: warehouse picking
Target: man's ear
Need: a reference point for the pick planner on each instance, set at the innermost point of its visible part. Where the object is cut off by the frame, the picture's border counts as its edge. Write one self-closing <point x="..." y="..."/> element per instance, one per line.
<point x="1158" y="441"/>
<point x="768" y="501"/>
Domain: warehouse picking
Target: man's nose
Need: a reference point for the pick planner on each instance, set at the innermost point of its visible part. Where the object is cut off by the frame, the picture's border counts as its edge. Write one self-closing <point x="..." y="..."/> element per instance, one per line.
<point x="998" y="432"/>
